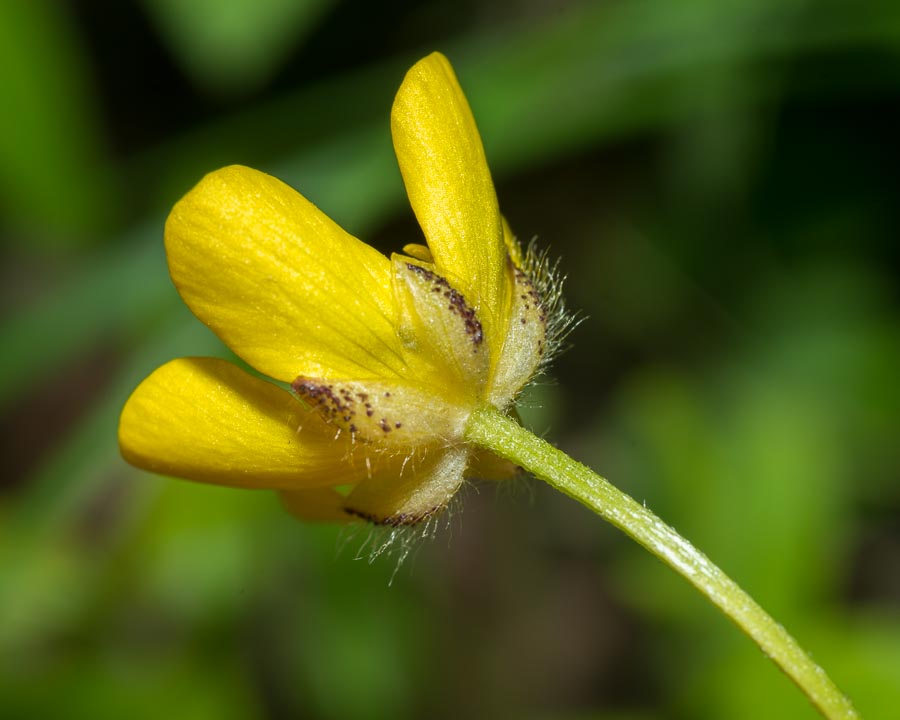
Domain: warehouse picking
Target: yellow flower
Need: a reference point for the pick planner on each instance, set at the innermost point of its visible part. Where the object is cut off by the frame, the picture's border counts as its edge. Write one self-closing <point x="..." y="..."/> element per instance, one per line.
<point x="385" y="358"/>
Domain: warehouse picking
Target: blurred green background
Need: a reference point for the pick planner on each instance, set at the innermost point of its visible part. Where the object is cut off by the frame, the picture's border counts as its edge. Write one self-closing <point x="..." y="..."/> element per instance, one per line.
<point x="720" y="178"/>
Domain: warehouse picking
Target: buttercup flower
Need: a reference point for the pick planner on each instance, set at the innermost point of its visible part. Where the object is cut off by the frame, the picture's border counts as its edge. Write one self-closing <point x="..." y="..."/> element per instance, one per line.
<point x="385" y="358"/>
<point x="402" y="372"/>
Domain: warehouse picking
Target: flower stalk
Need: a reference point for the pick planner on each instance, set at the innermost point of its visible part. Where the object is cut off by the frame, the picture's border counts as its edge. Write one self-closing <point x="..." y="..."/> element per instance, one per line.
<point x="490" y="429"/>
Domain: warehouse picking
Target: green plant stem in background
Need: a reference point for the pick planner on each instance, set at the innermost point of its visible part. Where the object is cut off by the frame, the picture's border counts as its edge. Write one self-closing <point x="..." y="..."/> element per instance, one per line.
<point x="489" y="429"/>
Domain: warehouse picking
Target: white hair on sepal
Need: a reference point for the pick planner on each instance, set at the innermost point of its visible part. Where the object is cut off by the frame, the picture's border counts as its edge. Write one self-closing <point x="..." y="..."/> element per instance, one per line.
<point x="398" y="541"/>
<point x="545" y="274"/>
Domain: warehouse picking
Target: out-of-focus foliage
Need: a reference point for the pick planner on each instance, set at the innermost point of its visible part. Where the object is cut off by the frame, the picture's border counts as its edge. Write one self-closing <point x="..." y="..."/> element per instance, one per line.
<point x="54" y="175"/>
<point x="721" y="181"/>
<point x="231" y="45"/>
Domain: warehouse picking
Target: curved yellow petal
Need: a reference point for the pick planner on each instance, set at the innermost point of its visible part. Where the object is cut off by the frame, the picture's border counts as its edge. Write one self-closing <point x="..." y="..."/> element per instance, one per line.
<point x="283" y="286"/>
<point x="419" y="252"/>
<point x="205" y="419"/>
<point x="316" y="505"/>
<point x="484" y="465"/>
<point x="449" y="185"/>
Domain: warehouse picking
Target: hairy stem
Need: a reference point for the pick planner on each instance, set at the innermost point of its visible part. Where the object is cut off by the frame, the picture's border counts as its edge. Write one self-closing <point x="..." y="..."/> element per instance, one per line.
<point x="494" y="431"/>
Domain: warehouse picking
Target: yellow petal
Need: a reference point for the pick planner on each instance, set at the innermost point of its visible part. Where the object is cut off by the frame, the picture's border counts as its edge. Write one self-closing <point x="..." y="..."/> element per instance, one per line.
<point x="449" y="185"/>
<point x="285" y="287"/>
<point x="419" y="252"/>
<point x="407" y="494"/>
<point x="513" y="248"/>
<point x="205" y="419"/>
<point x="436" y="322"/>
<point x="484" y="465"/>
<point x="316" y="505"/>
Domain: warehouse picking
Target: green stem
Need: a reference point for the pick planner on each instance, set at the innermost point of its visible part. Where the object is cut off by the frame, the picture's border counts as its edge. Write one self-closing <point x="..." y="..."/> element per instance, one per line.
<point x="489" y="429"/>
